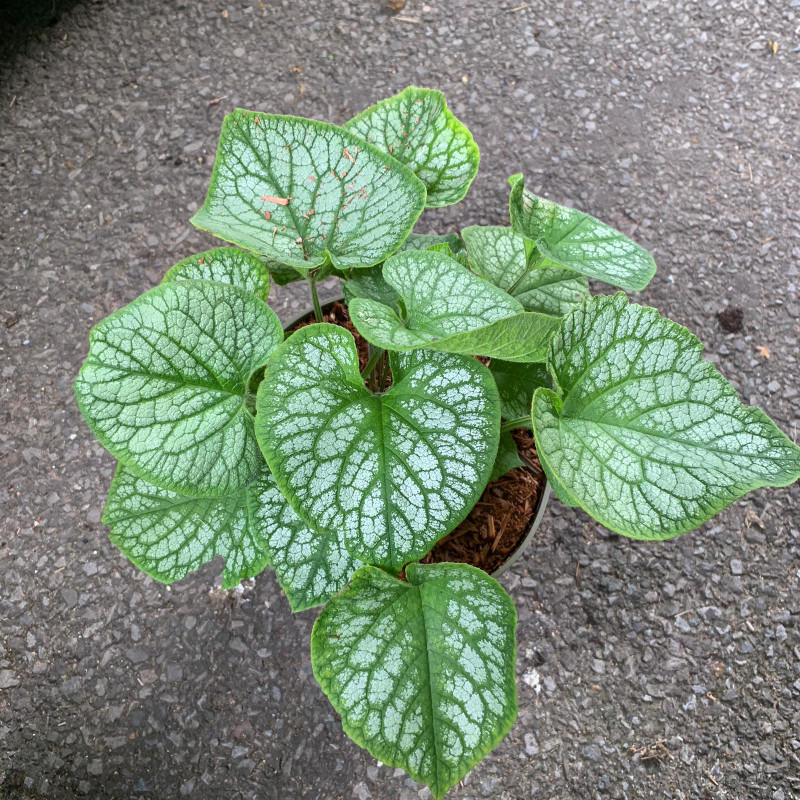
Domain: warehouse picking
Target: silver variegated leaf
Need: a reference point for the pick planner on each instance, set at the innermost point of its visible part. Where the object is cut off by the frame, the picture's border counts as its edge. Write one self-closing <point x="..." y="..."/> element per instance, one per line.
<point x="310" y="566"/>
<point x="395" y="472"/>
<point x="165" y="385"/>
<point x="448" y="308"/>
<point x="641" y="432"/>
<point x="568" y="238"/>
<point x="499" y="255"/>
<point x="305" y="193"/>
<point x="224" y="265"/>
<point x="416" y="127"/>
<point x="168" y="534"/>
<point x="421" y="672"/>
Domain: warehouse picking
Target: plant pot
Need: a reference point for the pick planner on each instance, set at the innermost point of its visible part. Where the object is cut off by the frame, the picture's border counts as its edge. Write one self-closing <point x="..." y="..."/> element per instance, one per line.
<point x="544" y="495"/>
<point x="525" y="543"/>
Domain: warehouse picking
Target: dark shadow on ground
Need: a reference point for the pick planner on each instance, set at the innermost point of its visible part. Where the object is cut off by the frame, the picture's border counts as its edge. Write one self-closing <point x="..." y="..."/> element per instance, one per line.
<point x="23" y="20"/>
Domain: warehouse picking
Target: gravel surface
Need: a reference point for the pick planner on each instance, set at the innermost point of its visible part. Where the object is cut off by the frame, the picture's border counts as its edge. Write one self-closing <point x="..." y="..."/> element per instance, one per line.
<point x="645" y="670"/>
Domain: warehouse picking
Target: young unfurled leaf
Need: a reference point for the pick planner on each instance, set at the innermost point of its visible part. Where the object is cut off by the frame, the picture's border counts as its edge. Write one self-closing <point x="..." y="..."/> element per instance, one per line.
<point x="370" y="284"/>
<point x="311" y="567"/>
<point x="450" y="309"/>
<point x="642" y="433"/>
<point x="498" y="255"/>
<point x="422" y="673"/>
<point x="283" y="274"/>
<point x="224" y="265"/>
<point x="516" y="384"/>
<point x="163" y="387"/>
<point x="566" y="237"/>
<point x="507" y="457"/>
<point x="444" y="248"/>
<point x="395" y="472"/>
<point x="303" y="192"/>
<point x="416" y="128"/>
<point x="422" y="241"/>
<point x="168" y="535"/>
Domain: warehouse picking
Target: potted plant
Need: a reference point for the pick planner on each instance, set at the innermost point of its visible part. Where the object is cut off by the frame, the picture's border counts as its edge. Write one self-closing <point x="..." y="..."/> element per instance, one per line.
<point x="342" y="461"/>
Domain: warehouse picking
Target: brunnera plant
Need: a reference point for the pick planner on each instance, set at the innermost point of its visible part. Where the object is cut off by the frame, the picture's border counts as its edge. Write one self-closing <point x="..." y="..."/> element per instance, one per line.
<point x="235" y="440"/>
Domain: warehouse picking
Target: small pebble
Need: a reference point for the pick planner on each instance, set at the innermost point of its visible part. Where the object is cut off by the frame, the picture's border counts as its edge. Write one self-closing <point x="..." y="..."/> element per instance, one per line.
<point x="8" y="679"/>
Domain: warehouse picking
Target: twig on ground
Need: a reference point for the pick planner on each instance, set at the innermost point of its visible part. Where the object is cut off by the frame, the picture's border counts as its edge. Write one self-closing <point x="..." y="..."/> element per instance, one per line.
<point x="655" y="751"/>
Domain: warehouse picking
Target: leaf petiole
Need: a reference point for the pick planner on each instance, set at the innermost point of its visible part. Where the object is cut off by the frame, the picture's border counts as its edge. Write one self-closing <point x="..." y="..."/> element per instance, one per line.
<point x="374" y="358"/>
<point x="315" y="299"/>
<point x="384" y="373"/>
<point x="515" y="423"/>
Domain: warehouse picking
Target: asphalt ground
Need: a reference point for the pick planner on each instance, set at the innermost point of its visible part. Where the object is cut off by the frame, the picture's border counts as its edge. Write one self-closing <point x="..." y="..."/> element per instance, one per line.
<point x="667" y="670"/>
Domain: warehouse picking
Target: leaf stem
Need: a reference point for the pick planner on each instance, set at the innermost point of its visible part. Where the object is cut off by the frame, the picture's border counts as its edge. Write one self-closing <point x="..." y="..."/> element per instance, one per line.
<point x="315" y="299"/>
<point x="519" y="422"/>
<point x="384" y="372"/>
<point x="372" y="363"/>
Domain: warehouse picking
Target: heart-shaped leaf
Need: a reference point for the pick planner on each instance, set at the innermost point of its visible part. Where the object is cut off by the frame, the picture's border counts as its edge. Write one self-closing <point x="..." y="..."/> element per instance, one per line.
<point x="303" y="193"/>
<point x="643" y="434"/>
<point x="422" y="673"/>
<point x="566" y="237"/>
<point x="416" y="128"/>
<point x="396" y="471"/>
<point x="516" y="384"/>
<point x="499" y="255"/>
<point x="310" y="566"/>
<point x="164" y="385"/>
<point x="507" y="457"/>
<point x="168" y="535"/>
<point x="224" y="265"/>
<point x="450" y="309"/>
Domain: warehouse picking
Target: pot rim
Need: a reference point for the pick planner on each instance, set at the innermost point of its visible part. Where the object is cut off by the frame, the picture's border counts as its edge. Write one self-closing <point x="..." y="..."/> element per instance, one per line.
<point x="544" y="495"/>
